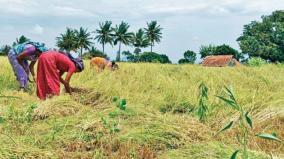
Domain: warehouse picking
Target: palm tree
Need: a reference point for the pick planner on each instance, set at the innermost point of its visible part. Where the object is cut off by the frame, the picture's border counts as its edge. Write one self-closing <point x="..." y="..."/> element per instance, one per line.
<point x="154" y="33"/>
<point x="140" y="39"/>
<point x="67" y="41"/>
<point x="5" y="50"/>
<point x="21" y="40"/>
<point x="94" y="52"/>
<point x="105" y="34"/>
<point x="122" y="36"/>
<point x="83" y="39"/>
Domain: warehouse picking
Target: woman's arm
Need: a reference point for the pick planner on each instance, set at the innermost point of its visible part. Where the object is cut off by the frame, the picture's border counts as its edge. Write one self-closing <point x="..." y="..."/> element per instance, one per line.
<point x="66" y="82"/>
<point x="21" y="57"/>
<point x="29" y="51"/>
<point x="33" y="70"/>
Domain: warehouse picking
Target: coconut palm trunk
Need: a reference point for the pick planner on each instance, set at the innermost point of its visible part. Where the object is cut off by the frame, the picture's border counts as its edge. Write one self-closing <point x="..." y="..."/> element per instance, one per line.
<point x="137" y="55"/>
<point x="103" y="47"/>
<point x="81" y="52"/>
<point x="118" y="53"/>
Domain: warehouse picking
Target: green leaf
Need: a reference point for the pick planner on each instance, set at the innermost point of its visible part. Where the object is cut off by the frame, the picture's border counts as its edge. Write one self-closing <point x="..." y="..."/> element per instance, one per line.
<point x="104" y="121"/>
<point x="117" y="104"/>
<point x="274" y="134"/>
<point x="229" y="102"/>
<point x="230" y="93"/>
<point x="203" y="91"/>
<point x="114" y="99"/>
<point x="228" y="126"/>
<point x="239" y="139"/>
<point x="33" y="106"/>
<point x="1" y="120"/>
<point x="116" y="130"/>
<point x="123" y="107"/>
<point x="122" y="104"/>
<point x="234" y="156"/>
<point x="113" y="114"/>
<point x="248" y="119"/>
<point x="115" y="42"/>
<point x="268" y="137"/>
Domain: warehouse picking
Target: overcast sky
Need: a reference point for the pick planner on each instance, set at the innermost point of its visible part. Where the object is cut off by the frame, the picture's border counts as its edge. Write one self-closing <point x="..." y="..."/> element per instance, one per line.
<point x="187" y="24"/>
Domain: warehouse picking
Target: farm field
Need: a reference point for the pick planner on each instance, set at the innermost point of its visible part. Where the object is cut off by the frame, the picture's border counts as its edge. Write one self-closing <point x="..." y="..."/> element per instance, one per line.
<point x="159" y="120"/>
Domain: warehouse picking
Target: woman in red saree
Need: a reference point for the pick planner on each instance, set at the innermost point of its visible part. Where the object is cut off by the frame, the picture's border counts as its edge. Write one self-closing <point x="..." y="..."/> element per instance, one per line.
<point x="51" y="66"/>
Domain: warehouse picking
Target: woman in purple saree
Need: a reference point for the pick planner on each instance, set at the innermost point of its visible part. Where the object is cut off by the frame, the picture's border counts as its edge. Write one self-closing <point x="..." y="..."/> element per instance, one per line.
<point x="19" y="56"/>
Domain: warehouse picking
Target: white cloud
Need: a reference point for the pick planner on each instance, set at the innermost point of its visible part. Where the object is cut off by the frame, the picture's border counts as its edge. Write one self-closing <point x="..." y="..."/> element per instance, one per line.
<point x="34" y="8"/>
<point x="17" y="7"/>
<point x="176" y="8"/>
<point x="187" y="23"/>
<point x="69" y="11"/>
<point x="136" y="8"/>
<point x="37" y="30"/>
<point x="196" y="38"/>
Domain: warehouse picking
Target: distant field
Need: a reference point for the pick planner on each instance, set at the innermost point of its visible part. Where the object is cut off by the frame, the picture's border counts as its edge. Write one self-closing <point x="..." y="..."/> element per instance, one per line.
<point x="89" y="125"/>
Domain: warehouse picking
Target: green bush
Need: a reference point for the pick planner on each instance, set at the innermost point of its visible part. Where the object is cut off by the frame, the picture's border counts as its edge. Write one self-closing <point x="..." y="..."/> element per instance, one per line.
<point x="256" y="62"/>
<point x="94" y="52"/>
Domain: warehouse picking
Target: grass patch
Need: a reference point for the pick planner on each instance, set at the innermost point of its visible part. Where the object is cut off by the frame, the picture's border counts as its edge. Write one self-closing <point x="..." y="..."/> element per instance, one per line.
<point x="157" y="121"/>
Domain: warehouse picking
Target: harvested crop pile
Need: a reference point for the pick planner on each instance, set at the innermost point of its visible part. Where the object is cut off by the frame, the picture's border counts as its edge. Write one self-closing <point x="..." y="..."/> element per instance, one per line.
<point x="57" y="107"/>
<point x="87" y="97"/>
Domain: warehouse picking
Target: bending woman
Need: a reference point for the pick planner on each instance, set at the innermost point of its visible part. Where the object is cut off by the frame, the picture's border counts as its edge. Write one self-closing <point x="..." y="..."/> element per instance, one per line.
<point x="102" y="63"/>
<point x="51" y="66"/>
<point x="19" y="56"/>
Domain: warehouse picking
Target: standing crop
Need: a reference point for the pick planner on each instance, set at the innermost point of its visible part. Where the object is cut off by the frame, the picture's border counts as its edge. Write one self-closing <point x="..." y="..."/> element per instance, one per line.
<point x="202" y="106"/>
<point x="244" y="122"/>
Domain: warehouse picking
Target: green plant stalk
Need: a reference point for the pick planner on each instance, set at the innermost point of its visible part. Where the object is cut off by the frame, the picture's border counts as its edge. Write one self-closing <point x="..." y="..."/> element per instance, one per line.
<point x="245" y="136"/>
<point x="9" y="137"/>
<point x="203" y="97"/>
<point x="243" y="139"/>
<point x="244" y="130"/>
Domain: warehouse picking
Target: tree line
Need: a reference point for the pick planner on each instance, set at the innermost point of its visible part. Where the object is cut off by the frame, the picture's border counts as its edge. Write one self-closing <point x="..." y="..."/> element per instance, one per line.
<point x="73" y="40"/>
<point x="211" y="50"/>
<point x="262" y="39"/>
<point x="80" y="40"/>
